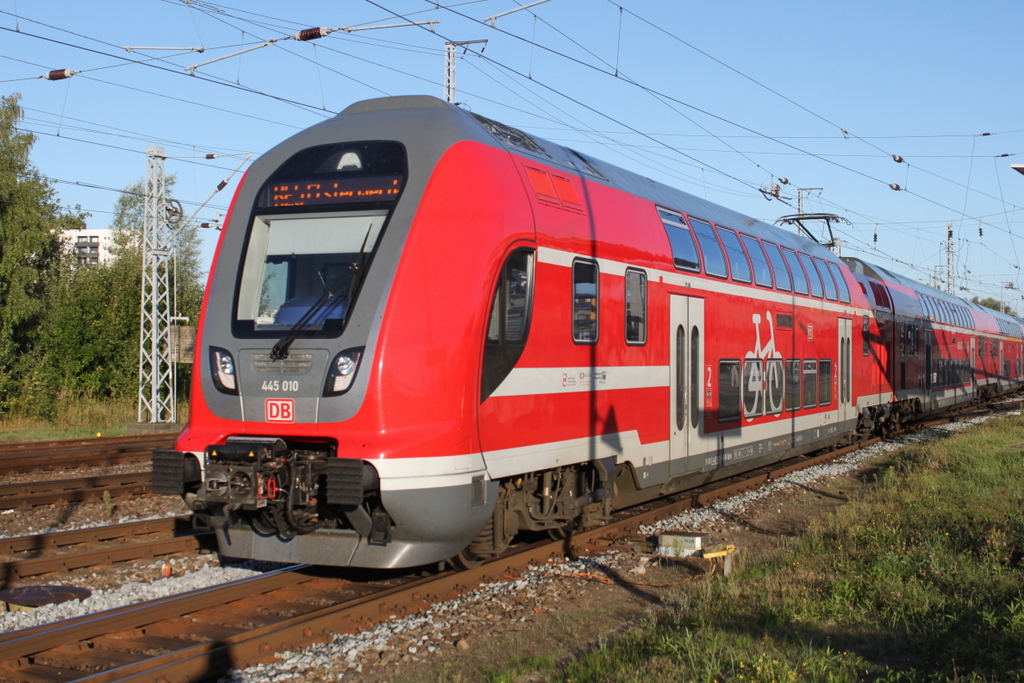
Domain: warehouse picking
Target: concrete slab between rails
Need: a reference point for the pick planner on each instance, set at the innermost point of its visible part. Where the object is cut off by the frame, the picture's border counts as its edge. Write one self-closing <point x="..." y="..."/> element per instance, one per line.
<point x="139" y="428"/>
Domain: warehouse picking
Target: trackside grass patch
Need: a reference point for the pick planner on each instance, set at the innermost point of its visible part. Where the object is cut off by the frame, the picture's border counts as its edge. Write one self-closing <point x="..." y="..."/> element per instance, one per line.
<point x="919" y="578"/>
<point x="77" y="417"/>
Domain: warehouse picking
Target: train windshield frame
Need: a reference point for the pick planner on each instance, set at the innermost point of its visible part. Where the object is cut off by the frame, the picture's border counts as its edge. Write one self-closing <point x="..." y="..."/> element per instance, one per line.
<point x="315" y="226"/>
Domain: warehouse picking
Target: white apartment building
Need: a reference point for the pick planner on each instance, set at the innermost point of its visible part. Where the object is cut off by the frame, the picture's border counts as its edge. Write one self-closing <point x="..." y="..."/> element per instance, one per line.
<point x="91" y="245"/>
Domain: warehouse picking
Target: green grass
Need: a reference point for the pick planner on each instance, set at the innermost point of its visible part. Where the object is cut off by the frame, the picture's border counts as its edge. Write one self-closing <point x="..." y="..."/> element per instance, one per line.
<point x="920" y="578"/>
<point x="77" y="418"/>
<point x="516" y="667"/>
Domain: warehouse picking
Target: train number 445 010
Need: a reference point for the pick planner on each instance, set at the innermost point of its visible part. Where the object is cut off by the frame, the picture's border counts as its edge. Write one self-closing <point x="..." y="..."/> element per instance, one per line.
<point x="276" y="385"/>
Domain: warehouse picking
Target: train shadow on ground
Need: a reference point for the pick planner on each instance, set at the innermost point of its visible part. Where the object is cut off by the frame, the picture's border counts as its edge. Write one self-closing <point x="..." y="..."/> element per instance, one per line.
<point x="747" y="524"/>
<point x="611" y="575"/>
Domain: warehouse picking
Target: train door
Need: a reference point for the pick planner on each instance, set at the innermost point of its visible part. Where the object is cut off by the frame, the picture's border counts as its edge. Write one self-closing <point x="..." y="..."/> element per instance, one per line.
<point x="689" y="382"/>
<point x="846" y="410"/>
<point x="1001" y="371"/>
<point x="973" y="363"/>
<point x="928" y="364"/>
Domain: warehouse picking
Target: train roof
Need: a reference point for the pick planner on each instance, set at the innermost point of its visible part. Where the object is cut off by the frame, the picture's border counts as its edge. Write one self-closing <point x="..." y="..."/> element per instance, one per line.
<point x="476" y="127"/>
<point x="1005" y="324"/>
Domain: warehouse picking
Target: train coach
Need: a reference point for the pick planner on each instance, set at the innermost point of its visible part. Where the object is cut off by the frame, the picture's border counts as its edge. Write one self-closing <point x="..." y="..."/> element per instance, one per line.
<point x="426" y="331"/>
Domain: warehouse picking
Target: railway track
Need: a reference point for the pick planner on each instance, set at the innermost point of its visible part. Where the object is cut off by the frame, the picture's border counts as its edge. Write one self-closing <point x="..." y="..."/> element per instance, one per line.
<point x="64" y="551"/>
<point x="35" y="456"/>
<point x="62" y="491"/>
<point x="199" y="635"/>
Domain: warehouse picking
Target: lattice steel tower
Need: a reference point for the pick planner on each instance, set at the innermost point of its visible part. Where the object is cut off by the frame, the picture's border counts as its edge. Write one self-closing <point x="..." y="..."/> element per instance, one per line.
<point x="157" y="373"/>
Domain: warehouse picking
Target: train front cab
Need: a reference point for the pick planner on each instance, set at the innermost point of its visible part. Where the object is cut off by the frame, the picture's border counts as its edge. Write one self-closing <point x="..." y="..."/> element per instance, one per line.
<point x="357" y="443"/>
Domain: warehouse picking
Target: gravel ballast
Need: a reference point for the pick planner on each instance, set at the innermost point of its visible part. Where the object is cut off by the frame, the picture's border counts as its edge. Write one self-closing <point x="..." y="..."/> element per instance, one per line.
<point x="452" y="625"/>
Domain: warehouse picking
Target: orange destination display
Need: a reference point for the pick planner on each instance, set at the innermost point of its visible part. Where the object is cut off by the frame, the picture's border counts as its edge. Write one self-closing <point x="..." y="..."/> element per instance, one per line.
<point x="333" y="191"/>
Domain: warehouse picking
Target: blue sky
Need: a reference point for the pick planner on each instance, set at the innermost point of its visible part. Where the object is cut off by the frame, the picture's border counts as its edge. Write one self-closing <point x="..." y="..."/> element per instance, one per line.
<point x="718" y="99"/>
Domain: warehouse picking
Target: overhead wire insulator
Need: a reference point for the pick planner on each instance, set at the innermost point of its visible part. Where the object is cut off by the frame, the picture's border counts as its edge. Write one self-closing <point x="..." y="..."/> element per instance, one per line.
<point x="311" y="33"/>
<point x="59" y="74"/>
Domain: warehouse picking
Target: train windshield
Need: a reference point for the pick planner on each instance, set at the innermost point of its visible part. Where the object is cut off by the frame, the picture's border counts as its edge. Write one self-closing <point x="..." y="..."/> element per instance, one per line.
<point x="305" y="268"/>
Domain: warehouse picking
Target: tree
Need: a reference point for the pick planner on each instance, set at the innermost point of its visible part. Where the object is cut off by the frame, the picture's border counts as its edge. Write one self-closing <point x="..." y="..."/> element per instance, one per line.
<point x="31" y="222"/>
<point x="186" y="271"/>
<point x="994" y="304"/>
<point x="186" y="275"/>
<point x="89" y="339"/>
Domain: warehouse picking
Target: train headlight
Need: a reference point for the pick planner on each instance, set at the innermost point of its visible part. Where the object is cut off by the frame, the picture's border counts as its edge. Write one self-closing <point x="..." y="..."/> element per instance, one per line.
<point x="223" y="366"/>
<point x="342" y="371"/>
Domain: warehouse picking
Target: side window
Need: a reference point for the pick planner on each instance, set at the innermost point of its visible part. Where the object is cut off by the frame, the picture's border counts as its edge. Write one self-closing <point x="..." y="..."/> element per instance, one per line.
<point x="696" y="376"/>
<point x="844" y="290"/>
<point x="636" y="306"/>
<point x="774" y="386"/>
<point x="831" y="293"/>
<point x="866" y="334"/>
<point x="825" y="382"/>
<point x="509" y="323"/>
<point x="793" y="374"/>
<point x="810" y="383"/>
<point x="752" y="388"/>
<point x="782" y="279"/>
<point x="881" y="296"/>
<point x="714" y="258"/>
<point x="584" y="302"/>
<point x="738" y="263"/>
<point x="762" y="273"/>
<point x="812" y="275"/>
<point x="684" y="249"/>
<point x="728" y="390"/>
<point x="799" y="279"/>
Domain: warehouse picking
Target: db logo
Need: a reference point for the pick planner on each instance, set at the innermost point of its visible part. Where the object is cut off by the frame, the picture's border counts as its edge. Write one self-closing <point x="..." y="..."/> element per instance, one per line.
<point x="280" y="410"/>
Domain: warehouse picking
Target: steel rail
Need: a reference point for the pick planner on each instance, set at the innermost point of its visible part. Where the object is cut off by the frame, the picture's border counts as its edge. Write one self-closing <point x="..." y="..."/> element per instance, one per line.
<point x="90" y="442"/>
<point x="96" y="534"/>
<point x="34" y="494"/>
<point x="203" y="660"/>
<point x="56" y="455"/>
<point x="16" y="645"/>
<point x="211" y="658"/>
<point x="63" y="551"/>
<point x="76" y="648"/>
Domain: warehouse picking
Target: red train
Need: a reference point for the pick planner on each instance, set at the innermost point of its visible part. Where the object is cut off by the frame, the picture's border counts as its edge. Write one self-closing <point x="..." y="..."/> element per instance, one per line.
<point x="426" y="331"/>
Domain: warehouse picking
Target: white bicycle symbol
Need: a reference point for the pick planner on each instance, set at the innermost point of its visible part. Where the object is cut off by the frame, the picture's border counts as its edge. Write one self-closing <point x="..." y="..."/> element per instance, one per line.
<point x="762" y="373"/>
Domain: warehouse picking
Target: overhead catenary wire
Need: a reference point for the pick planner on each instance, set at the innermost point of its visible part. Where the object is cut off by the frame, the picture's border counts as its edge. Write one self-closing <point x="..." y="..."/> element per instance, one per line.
<point x="619" y="134"/>
<point x="616" y="74"/>
<point x="620" y="76"/>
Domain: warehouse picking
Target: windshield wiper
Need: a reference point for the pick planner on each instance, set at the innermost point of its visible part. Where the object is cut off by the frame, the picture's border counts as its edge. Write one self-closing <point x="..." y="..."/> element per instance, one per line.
<point x="280" y="350"/>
